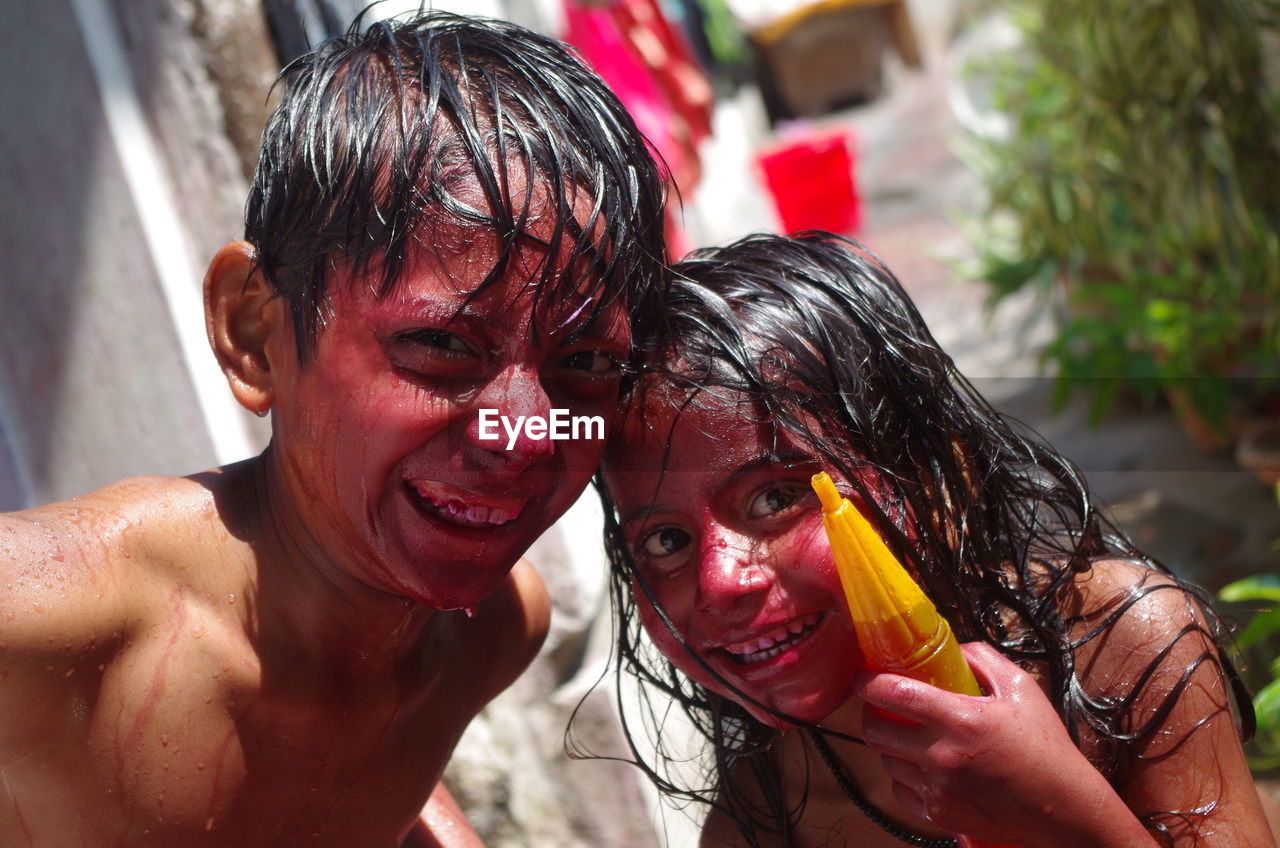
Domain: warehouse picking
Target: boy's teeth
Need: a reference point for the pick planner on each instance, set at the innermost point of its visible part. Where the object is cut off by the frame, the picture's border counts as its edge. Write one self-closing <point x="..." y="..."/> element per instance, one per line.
<point x="471" y="515"/>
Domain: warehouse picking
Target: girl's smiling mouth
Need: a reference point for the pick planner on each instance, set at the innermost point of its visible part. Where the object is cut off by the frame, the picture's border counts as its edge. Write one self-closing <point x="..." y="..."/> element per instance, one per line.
<point x="775" y="642"/>
<point x="464" y="508"/>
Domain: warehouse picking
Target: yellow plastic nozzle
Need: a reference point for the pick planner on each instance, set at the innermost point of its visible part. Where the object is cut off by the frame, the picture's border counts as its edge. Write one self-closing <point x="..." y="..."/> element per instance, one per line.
<point x="898" y="627"/>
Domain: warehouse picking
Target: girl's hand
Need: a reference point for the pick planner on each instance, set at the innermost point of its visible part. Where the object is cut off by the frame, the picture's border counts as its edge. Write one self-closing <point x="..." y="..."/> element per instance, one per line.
<point x="1000" y="768"/>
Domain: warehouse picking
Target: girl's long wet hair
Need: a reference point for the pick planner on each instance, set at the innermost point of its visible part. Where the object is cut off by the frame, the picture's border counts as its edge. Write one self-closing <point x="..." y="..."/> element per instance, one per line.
<point x="824" y="339"/>
<point x="402" y="133"/>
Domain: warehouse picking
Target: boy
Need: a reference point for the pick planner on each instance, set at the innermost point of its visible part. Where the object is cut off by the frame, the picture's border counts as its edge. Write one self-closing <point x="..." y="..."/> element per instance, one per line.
<point x="449" y="217"/>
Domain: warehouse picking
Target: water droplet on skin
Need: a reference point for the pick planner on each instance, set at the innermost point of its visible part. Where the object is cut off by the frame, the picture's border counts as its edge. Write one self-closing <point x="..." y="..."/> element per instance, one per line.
<point x="164" y="740"/>
<point x="208" y="825"/>
<point x="469" y="612"/>
<point x="231" y="599"/>
<point x="200" y="767"/>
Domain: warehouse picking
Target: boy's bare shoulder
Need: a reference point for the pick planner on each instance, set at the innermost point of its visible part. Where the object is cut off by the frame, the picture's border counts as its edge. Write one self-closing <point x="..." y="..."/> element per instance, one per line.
<point x="87" y="569"/>
<point x="508" y="628"/>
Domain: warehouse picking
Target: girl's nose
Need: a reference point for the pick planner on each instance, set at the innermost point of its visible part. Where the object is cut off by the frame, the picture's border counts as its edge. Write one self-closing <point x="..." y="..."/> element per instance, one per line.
<point x="731" y="568"/>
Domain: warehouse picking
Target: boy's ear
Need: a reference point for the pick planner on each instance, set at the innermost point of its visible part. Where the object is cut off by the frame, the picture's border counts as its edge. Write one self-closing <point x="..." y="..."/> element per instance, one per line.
<point x="240" y="314"/>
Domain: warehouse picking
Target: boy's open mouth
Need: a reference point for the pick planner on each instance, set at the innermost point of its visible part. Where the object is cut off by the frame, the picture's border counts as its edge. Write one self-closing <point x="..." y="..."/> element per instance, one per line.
<point x="775" y="642"/>
<point x="465" y="509"/>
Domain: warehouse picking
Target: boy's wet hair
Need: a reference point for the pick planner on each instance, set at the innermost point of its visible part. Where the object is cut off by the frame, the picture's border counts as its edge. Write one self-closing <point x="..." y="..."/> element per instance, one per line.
<point x="822" y="337"/>
<point x="391" y="136"/>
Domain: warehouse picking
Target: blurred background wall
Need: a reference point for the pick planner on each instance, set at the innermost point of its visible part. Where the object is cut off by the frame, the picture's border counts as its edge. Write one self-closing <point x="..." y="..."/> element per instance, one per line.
<point x="131" y="128"/>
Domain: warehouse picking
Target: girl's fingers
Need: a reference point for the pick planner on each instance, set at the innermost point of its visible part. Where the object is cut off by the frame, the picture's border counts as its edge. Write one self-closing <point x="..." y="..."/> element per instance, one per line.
<point x="904" y="771"/>
<point x="909" y="699"/>
<point x="997" y="674"/>
<point x="910" y="800"/>
<point x="889" y="734"/>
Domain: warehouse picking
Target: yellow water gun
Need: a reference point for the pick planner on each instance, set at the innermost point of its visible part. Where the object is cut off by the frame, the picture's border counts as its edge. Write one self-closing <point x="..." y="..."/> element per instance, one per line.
<point x="898" y="627"/>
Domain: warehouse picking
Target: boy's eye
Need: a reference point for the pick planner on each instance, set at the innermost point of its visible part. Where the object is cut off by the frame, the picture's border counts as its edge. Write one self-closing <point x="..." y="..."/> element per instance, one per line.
<point x="442" y="340"/>
<point x="776" y="499"/>
<point x="435" y="354"/>
<point x="591" y="361"/>
<point x="664" y="543"/>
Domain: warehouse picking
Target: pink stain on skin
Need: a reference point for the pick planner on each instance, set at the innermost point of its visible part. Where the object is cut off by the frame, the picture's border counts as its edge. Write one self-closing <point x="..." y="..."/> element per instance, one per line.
<point x="216" y="781"/>
<point x="146" y="712"/>
<point x="27" y="835"/>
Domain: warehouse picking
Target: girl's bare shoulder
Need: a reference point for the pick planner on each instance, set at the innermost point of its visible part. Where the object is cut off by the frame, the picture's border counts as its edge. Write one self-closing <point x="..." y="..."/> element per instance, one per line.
<point x="1136" y="623"/>
<point x="719" y="831"/>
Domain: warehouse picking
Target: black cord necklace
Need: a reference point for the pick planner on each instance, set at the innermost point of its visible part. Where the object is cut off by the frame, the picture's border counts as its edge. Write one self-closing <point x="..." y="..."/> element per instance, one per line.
<point x="860" y="801"/>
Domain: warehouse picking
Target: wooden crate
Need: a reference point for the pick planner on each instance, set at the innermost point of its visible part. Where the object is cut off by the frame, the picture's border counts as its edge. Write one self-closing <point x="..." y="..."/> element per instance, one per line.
<point x="829" y="54"/>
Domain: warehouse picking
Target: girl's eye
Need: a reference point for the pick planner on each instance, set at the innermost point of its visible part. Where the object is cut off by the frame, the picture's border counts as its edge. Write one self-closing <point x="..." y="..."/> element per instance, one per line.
<point x="664" y="543"/>
<point x="591" y="361"/>
<point x="775" y="500"/>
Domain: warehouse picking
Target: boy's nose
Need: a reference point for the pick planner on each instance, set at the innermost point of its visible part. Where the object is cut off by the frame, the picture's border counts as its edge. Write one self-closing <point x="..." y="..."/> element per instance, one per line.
<point x="730" y="570"/>
<point x="511" y="406"/>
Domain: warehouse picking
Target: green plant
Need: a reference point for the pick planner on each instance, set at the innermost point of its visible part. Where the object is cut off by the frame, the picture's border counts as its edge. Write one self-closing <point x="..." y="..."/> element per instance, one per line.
<point x="1259" y="642"/>
<point x="1139" y="187"/>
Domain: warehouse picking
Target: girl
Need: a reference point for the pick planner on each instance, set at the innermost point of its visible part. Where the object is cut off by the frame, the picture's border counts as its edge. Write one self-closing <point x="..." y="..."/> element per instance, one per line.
<point x="1109" y="715"/>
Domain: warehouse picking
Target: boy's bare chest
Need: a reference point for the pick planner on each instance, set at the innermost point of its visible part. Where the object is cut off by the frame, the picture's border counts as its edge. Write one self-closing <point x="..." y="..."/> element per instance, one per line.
<point x="216" y="749"/>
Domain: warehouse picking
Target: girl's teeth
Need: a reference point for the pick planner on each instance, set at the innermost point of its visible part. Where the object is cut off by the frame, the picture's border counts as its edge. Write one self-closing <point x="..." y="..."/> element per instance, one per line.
<point x="772" y="644"/>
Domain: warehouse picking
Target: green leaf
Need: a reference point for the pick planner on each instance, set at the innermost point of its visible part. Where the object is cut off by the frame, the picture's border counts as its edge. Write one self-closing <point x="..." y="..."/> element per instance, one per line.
<point x="1259" y="587"/>
<point x="1262" y="625"/>
<point x="1267" y="706"/>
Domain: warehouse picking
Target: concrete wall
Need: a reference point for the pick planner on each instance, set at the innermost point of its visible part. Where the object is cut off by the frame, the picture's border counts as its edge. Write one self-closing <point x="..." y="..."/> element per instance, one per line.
<point x="94" y="381"/>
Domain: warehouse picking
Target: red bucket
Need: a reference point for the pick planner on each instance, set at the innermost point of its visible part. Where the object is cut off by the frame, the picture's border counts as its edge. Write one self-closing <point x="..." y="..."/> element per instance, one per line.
<point x="811" y="181"/>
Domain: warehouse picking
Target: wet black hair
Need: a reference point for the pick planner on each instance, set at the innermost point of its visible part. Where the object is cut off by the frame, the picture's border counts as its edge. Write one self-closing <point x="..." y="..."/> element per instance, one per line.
<point x="823" y="338"/>
<point x="386" y="136"/>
